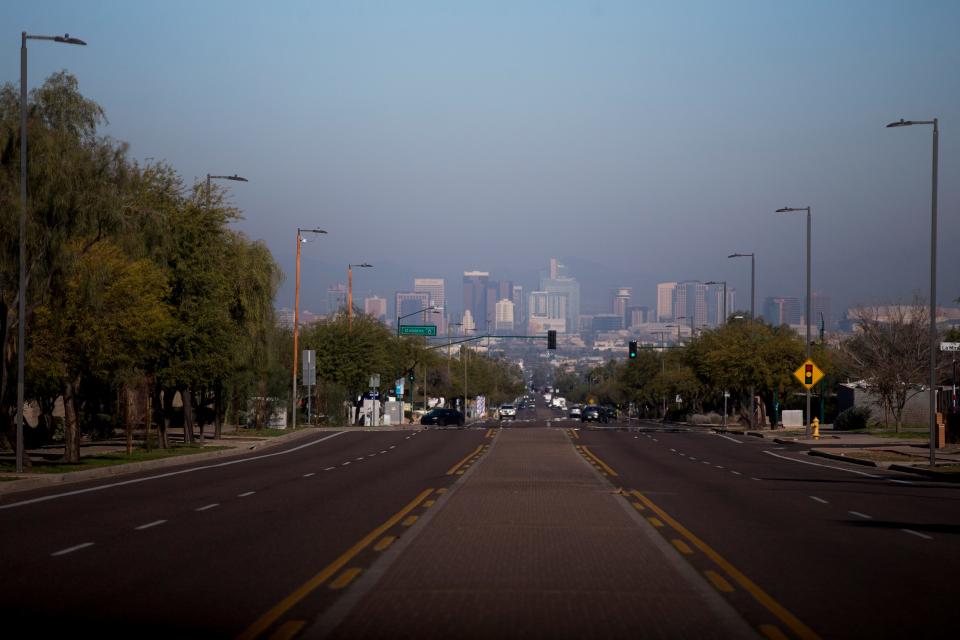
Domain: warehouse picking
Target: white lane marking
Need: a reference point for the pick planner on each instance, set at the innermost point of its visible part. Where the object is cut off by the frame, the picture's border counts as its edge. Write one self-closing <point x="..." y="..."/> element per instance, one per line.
<point x="692" y="458"/>
<point x="757" y="479"/>
<point x="729" y="438"/>
<point x="307" y="475"/>
<point x="407" y="438"/>
<point x="674" y="450"/>
<point x="64" y="552"/>
<point x="736" y="473"/>
<point x="384" y="451"/>
<point x="860" y="515"/>
<point x="150" y="524"/>
<point x="345" y="463"/>
<point x="168" y="474"/>
<point x="719" y="466"/>
<point x="820" y="500"/>
<point x="899" y="481"/>
<point x="825" y="466"/>
<point x="705" y="462"/>
<point x="393" y="446"/>
<point x="360" y="458"/>
<point x="244" y="495"/>
<point x="209" y="506"/>
<point x="655" y="440"/>
<point x="329" y="468"/>
<point x="917" y="533"/>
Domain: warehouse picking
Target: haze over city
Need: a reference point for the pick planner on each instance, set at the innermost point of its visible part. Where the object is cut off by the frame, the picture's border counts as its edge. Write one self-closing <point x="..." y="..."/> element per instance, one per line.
<point x="638" y="142"/>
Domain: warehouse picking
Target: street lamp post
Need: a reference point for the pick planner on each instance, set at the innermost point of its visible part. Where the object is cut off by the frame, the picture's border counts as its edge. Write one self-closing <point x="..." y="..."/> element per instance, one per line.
<point x="663" y="362"/>
<point x="450" y="324"/>
<point x="296" y="322"/>
<point x="431" y="309"/>
<point x="22" y="292"/>
<point x="807" y="209"/>
<point x="724" y="283"/>
<point x="680" y="325"/>
<point x="350" y="291"/>
<point x="753" y="281"/>
<point x="933" y="279"/>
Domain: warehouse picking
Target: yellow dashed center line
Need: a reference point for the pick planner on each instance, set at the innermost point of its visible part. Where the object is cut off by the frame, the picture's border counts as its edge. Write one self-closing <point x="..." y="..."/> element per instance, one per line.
<point x="682" y="546"/>
<point x="718" y="581"/>
<point x="384" y="542"/>
<point x="345" y="578"/>
<point x="428" y="503"/>
<point x="473" y="453"/>
<point x="410" y="520"/>
<point x="603" y="465"/>
<point x="270" y="617"/>
<point x="779" y="611"/>
<point x="655" y="522"/>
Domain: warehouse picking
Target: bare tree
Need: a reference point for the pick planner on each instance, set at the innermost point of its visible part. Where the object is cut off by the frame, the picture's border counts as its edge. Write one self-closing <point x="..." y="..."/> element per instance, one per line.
<point x="890" y="351"/>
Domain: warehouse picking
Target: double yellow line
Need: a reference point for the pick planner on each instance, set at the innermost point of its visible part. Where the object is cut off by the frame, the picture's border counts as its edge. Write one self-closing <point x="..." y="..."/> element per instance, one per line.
<point x="270" y="617"/>
<point x="762" y="597"/>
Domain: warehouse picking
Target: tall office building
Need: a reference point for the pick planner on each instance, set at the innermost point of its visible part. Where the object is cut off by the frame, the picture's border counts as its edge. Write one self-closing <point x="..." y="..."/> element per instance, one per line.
<point x="438" y="298"/>
<point x="547" y="309"/>
<point x="691" y="303"/>
<point x="475" y="297"/>
<point x="468" y="326"/>
<point x="820" y="304"/>
<point x="715" y="308"/>
<point x="410" y="302"/>
<point x="560" y="282"/>
<point x="780" y="310"/>
<point x="665" y="293"/>
<point x="636" y="315"/>
<point x="519" y="306"/>
<point x="504" y="316"/>
<point x="621" y="300"/>
<point x="376" y="307"/>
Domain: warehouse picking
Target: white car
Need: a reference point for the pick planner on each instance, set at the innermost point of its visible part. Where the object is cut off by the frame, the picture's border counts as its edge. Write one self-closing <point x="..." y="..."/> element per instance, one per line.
<point x="507" y="411"/>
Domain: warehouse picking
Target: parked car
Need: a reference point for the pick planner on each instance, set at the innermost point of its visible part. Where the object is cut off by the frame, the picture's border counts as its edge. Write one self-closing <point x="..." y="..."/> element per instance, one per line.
<point x="593" y="413"/>
<point x="442" y="417"/>
<point x="507" y="411"/>
<point x="575" y="411"/>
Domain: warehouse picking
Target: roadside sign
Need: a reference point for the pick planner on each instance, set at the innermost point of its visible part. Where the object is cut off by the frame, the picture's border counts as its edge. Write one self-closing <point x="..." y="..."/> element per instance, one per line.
<point x="808" y="374"/>
<point x="309" y="368"/>
<point x="375" y="380"/>
<point x="950" y="346"/>
<point x="418" y="329"/>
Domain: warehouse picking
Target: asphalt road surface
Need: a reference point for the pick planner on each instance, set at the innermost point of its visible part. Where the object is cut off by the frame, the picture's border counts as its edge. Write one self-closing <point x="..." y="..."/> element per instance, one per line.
<point x="529" y="528"/>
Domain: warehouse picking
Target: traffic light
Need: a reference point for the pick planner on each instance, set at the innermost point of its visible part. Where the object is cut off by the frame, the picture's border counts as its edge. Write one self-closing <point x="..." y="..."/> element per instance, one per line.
<point x="551" y="339"/>
<point x="633" y="350"/>
<point x="410" y="375"/>
<point x="808" y="374"/>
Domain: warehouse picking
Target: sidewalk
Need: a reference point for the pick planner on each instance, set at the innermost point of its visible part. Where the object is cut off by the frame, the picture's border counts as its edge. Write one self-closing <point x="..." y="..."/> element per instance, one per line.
<point x="532" y="543"/>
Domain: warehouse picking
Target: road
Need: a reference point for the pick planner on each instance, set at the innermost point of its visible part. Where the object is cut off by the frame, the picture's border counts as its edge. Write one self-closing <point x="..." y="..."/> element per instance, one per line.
<point x="540" y="529"/>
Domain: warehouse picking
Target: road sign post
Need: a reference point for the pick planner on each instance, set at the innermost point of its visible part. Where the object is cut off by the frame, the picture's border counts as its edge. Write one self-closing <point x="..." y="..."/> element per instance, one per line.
<point x="309" y="378"/>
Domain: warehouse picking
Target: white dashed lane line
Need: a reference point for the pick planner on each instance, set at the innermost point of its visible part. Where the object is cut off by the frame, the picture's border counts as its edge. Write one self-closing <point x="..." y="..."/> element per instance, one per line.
<point x="860" y="515"/>
<point x="736" y="473"/>
<point x="345" y="463"/>
<point x="307" y="475"/>
<point x="64" y="552"/>
<point x="244" y="495"/>
<point x="899" y="481"/>
<point x="209" y="506"/>
<point x="384" y="451"/>
<point x="820" y="500"/>
<point x="149" y="525"/>
<point x="917" y="533"/>
<point x="329" y="468"/>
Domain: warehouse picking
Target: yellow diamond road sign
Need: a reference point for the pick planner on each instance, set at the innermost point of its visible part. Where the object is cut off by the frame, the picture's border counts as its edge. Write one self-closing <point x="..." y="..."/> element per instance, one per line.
<point x="808" y="374"/>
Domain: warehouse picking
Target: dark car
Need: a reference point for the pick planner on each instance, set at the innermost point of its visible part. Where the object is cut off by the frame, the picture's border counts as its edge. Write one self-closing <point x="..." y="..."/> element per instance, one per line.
<point x="593" y="413"/>
<point x="442" y="417"/>
<point x="611" y="411"/>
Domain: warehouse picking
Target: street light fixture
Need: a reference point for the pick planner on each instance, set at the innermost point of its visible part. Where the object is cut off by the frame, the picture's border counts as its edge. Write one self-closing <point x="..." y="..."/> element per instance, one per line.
<point x="350" y="291"/>
<point x="724" y="283"/>
<point x="753" y="280"/>
<point x="296" y="320"/>
<point x="792" y="210"/>
<point x="22" y="292"/>
<point x="933" y="278"/>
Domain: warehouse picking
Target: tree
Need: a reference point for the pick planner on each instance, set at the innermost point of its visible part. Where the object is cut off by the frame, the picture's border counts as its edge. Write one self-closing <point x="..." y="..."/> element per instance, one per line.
<point x="891" y="354"/>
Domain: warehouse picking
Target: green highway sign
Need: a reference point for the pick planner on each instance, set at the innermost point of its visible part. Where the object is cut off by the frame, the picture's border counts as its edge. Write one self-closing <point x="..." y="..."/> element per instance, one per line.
<point x="418" y="329"/>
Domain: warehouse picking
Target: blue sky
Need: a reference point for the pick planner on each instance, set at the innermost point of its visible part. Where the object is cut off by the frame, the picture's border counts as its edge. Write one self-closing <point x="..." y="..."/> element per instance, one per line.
<point x="649" y="139"/>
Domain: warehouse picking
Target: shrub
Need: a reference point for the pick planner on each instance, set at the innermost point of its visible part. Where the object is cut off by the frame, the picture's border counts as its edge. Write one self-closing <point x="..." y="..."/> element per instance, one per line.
<point x="852" y="418"/>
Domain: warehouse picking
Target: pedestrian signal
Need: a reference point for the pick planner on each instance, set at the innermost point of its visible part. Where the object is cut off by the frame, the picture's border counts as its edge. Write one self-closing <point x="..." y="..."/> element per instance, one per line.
<point x="633" y="350"/>
<point x="551" y="339"/>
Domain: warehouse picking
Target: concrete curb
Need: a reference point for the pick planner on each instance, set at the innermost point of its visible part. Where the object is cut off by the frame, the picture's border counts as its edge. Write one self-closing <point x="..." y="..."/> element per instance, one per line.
<point x="927" y="473"/>
<point x="835" y="456"/>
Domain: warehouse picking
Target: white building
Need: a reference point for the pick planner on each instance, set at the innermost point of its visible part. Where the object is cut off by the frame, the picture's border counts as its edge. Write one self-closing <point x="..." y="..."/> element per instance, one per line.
<point x="375" y="306"/>
<point x="504" y="320"/>
<point x="665" y="300"/>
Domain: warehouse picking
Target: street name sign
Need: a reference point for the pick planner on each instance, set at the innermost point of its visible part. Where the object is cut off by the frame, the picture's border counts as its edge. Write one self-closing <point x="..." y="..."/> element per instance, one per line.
<point x="418" y="329"/>
<point x="950" y="346"/>
<point x="808" y="374"/>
